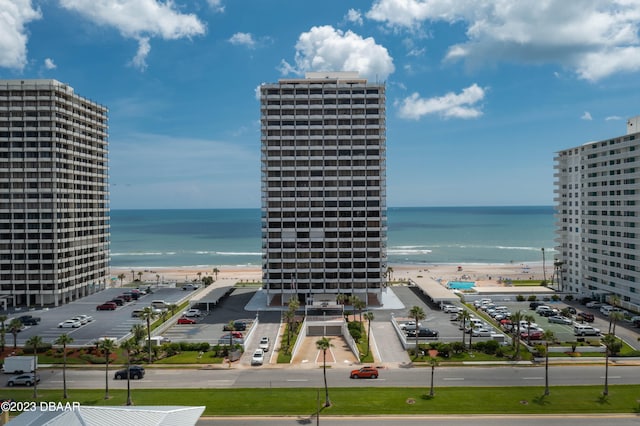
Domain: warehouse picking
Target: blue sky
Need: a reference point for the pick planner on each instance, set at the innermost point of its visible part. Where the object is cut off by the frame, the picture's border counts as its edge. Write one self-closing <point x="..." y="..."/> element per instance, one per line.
<point x="480" y="93"/>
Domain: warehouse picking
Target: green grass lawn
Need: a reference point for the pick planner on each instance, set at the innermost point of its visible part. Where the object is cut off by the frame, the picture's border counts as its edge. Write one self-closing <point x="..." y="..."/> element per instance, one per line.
<point x="367" y="401"/>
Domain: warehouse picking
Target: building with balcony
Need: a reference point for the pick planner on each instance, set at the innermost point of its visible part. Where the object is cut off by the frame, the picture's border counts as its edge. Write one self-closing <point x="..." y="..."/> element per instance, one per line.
<point x="597" y="199"/>
<point x="324" y="216"/>
<point x="54" y="194"/>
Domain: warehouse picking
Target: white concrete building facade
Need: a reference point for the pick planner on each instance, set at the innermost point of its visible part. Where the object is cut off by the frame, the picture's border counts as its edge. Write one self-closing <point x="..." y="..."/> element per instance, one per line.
<point x="54" y="194"/>
<point x="324" y="213"/>
<point x="597" y="199"/>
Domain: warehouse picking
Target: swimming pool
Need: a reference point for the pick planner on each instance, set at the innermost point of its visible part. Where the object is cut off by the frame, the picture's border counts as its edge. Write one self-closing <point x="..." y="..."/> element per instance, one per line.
<point x="461" y="285"/>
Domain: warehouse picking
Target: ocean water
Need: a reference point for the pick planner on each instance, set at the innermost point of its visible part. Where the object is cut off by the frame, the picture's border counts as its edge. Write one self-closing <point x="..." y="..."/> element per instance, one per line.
<point x="418" y="235"/>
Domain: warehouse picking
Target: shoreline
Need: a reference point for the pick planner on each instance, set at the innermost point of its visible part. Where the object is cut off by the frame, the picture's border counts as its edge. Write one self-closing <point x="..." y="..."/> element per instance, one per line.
<point x="484" y="274"/>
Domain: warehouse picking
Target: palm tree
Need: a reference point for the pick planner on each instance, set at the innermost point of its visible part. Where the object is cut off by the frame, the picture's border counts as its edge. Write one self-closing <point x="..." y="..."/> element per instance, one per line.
<point x="609" y="341"/>
<point x="138" y="332"/>
<point x="14" y="328"/>
<point x="157" y="280"/>
<point x="231" y="326"/>
<point x="433" y="362"/>
<point x="516" y="318"/>
<point x="417" y="314"/>
<point x="529" y="319"/>
<point x="548" y="337"/>
<point x="139" y="275"/>
<point x="464" y="316"/>
<point x="3" y="332"/>
<point x="369" y="317"/>
<point x="324" y="344"/>
<point x="614" y="317"/>
<point x="354" y="300"/>
<point x="133" y="276"/>
<point x="121" y="277"/>
<point x="359" y="305"/>
<point x="544" y="269"/>
<point x="215" y="272"/>
<point x="147" y="315"/>
<point x="128" y="346"/>
<point x="64" y="340"/>
<point x="35" y="342"/>
<point x="107" y="346"/>
<point x="389" y="273"/>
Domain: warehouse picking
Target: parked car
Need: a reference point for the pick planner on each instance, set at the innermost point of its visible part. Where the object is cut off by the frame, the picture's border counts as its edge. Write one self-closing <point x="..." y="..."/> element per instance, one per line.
<point x="80" y="319"/>
<point x="190" y="287"/>
<point x="264" y="343"/>
<point x="423" y="332"/>
<point x="108" y="306"/>
<point x="125" y="296"/>
<point x="70" y="323"/>
<point x="86" y="318"/>
<point x="450" y="309"/>
<point x="28" y="320"/>
<point x="237" y="337"/>
<point x="135" y="372"/>
<point x="185" y="320"/>
<point x="532" y="335"/>
<point x="365" y="373"/>
<point x="481" y="332"/>
<point x="118" y="301"/>
<point x="27" y="379"/>
<point x="409" y="325"/>
<point x="593" y="304"/>
<point x="585" y="316"/>
<point x="559" y="319"/>
<point x="193" y="313"/>
<point x="534" y="305"/>
<point x="258" y="357"/>
<point x="237" y="326"/>
<point x="585" y="330"/>
<point x="133" y="295"/>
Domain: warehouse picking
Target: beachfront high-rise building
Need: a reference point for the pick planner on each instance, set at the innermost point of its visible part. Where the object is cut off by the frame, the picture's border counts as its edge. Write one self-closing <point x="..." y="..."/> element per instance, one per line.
<point x="54" y="194"/>
<point x="324" y="218"/>
<point x="598" y="218"/>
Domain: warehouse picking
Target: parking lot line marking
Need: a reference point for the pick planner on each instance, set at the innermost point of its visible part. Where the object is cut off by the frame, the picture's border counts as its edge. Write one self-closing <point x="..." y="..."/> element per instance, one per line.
<point x="532" y="378"/>
<point x="453" y="378"/>
<point x="297" y="380"/>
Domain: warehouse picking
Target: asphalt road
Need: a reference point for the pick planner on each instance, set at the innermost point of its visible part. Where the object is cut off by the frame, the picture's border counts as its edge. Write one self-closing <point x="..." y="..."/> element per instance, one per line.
<point x="261" y="377"/>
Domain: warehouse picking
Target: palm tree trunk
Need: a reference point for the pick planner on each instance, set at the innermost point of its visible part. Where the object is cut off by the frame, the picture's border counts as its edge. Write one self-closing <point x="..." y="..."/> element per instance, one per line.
<point x="327" y="403"/>
<point x="129" y="401"/>
<point x="106" y="376"/>
<point x="606" y="374"/>
<point x="433" y="368"/>
<point x="64" y="372"/>
<point x="546" y="370"/>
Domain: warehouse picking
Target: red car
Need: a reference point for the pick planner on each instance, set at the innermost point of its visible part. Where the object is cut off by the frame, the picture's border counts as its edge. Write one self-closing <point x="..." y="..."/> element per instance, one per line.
<point x="365" y="372"/>
<point x="108" y="306"/>
<point x="185" y="320"/>
<point x="535" y="335"/>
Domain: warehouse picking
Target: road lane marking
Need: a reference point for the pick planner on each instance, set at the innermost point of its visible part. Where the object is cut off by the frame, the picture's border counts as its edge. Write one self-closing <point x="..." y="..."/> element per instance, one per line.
<point x="532" y="378"/>
<point x="453" y="378"/>
<point x="297" y="380"/>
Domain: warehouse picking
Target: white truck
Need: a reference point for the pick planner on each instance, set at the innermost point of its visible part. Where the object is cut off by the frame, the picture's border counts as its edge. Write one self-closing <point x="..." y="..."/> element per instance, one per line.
<point x="19" y="364"/>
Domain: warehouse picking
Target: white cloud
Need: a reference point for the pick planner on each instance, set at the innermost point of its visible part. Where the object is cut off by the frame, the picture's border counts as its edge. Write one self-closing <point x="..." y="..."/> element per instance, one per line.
<point x="451" y="105"/>
<point x="49" y="64"/>
<point x="613" y="117"/>
<point x="216" y="5"/>
<point x="327" y="49"/>
<point x="594" y="38"/>
<point x="354" y="16"/>
<point x="14" y="15"/>
<point x="243" y="39"/>
<point x="139" y="20"/>
<point x="140" y="60"/>
<point x="586" y="116"/>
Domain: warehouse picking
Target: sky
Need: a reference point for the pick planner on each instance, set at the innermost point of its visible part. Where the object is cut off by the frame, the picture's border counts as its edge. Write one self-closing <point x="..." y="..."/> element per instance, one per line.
<point x="481" y="94"/>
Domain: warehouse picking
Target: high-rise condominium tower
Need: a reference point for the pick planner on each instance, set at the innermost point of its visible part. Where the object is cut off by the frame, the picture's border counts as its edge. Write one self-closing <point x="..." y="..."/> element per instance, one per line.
<point x="54" y="194"/>
<point x="324" y="219"/>
<point x="598" y="218"/>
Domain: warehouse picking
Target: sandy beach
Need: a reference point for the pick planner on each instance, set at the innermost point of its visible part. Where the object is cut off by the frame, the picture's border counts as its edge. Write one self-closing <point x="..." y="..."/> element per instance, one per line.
<point x="482" y="274"/>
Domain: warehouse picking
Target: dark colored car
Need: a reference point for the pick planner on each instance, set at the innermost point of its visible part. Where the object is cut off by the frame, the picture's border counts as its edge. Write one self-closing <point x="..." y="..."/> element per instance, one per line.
<point x="118" y="301"/>
<point x="423" y="332"/>
<point x="534" y="305"/>
<point x="108" y="306"/>
<point x="365" y="372"/>
<point x="125" y="296"/>
<point x="133" y="295"/>
<point x="585" y="316"/>
<point x="237" y="326"/>
<point x="135" y="372"/>
<point x="28" y="320"/>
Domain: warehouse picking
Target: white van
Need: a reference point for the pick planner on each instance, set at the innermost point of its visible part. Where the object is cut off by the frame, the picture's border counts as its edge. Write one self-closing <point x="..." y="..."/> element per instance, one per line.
<point x="585" y="330"/>
<point x="159" y="304"/>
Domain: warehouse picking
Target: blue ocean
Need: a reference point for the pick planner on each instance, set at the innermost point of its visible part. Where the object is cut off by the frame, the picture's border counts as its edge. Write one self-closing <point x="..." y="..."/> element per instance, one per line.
<point x="417" y="235"/>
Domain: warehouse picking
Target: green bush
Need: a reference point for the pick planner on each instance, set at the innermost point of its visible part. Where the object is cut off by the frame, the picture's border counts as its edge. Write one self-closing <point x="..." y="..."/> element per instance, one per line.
<point x="520" y="298"/>
<point x="555" y="298"/>
<point x="458" y="347"/>
<point x="532" y="298"/>
<point x="197" y="347"/>
<point x="568" y="297"/>
<point x="356" y="334"/>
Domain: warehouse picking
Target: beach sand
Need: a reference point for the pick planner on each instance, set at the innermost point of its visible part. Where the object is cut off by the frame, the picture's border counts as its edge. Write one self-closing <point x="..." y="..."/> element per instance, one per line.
<point x="485" y="275"/>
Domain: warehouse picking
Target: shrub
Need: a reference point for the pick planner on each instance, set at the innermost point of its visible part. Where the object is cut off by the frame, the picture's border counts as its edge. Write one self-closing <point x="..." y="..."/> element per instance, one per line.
<point x="568" y="297"/>
<point x="355" y="333"/>
<point x="555" y="298"/>
<point x="532" y="298"/>
<point x="197" y="346"/>
<point x="520" y="298"/>
<point x="457" y="347"/>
